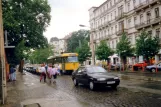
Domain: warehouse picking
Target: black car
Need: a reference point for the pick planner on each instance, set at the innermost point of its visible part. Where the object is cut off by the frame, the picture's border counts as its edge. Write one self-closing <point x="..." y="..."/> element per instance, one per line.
<point x="94" y="76"/>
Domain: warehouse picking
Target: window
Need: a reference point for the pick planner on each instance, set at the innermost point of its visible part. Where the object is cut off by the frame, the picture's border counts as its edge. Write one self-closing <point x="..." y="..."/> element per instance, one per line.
<point x="158" y="32"/>
<point x="141" y="19"/>
<point x="105" y="32"/>
<point x="112" y="30"/>
<point x="148" y="16"/>
<point x="107" y="6"/>
<point x="107" y="17"/>
<point x="134" y="1"/>
<point x="157" y="12"/>
<point x="115" y="14"/>
<point x="129" y="22"/>
<point x="150" y="32"/>
<point x="73" y="59"/>
<point x="108" y="31"/>
<point x="113" y="44"/>
<point x="104" y="19"/>
<point x="121" y="26"/>
<point x="120" y="10"/>
<point x="103" y="8"/>
<point x="114" y="1"/>
<point x="135" y="19"/>
<point x="110" y="3"/>
<point x="111" y="16"/>
<point x="96" y="69"/>
<point x="116" y="28"/>
<point x="128" y="5"/>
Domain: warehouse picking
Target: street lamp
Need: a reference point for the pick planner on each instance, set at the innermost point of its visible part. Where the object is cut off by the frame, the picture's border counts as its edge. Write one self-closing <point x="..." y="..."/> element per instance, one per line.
<point x="91" y="39"/>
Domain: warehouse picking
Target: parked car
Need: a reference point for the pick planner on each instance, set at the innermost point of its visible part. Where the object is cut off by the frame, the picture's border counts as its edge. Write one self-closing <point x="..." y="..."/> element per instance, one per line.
<point x="116" y="66"/>
<point x="94" y="76"/>
<point x="139" y="65"/>
<point x="153" y="68"/>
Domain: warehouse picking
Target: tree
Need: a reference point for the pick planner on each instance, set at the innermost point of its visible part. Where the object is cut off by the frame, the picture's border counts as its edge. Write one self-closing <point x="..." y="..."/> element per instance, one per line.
<point x="40" y="55"/>
<point x="83" y="52"/>
<point x="147" y="46"/>
<point x="77" y="39"/>
<point x="25" y="20"/>
<point x="124" y="48"/>
<point x="21" y="51"/>
<point x="103" y="51"/>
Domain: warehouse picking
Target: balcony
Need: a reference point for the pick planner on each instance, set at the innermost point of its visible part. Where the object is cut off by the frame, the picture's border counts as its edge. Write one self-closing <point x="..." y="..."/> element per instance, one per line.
<point x="93" y="30"/>
<point x="120" y="16"/>
<point x="146" y="4"/>
<point x="148" y="23"/>
<point x="120" y="32"/>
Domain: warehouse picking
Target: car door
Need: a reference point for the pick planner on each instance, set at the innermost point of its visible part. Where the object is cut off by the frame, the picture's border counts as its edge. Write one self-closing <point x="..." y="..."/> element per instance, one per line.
<point x="84" y="76"/>
<point x="78" y="75"/>
<point x="159" y="66"/>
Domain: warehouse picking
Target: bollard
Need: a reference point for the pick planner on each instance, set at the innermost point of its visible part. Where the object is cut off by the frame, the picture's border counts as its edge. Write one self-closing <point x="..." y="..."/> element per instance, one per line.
<point x="156" y="69"/>
<point x="142" y="67"/>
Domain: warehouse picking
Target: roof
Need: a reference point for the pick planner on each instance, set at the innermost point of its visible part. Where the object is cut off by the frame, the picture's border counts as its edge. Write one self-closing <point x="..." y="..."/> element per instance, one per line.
<point x="69" y="54"/>
<point x="101" y="5"/>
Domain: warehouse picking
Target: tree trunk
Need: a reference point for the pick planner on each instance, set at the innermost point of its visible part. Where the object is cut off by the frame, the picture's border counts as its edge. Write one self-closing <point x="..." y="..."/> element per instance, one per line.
<point x="21" y="66"/>
<point x="124" y="62"/>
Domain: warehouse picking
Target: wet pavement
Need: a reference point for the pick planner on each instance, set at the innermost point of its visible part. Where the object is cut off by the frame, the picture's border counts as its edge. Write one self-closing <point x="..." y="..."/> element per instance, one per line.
<point x="131" y="93"/>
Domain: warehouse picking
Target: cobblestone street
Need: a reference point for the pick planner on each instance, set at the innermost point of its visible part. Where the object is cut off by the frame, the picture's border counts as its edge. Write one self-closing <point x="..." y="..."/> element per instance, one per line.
<point x="28" y="90"/>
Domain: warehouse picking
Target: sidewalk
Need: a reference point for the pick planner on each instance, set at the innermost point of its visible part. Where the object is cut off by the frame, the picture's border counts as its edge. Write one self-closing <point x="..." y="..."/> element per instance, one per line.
<point x="138" y="75"/>
<point x="27" y="91"/>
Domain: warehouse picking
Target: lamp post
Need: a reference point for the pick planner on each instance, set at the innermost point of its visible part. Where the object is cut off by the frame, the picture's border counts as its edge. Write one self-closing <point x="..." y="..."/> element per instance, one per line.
<point x="91" y="40"/>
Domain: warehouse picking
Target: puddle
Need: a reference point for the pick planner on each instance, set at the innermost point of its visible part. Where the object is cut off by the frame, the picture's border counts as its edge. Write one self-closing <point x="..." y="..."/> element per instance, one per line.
<point x="152" y="85"/>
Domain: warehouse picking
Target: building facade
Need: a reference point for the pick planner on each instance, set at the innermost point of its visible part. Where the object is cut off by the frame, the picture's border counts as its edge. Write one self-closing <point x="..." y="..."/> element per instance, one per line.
<point x="113" y="17"/>
<point x="58" y="45"/>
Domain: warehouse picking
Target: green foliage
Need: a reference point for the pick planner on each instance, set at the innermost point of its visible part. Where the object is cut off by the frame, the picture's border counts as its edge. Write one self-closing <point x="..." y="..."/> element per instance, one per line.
<point x="77" y="37"/>
<point x="21" y="51"/>
<point x="40" y="55"/>
<point x="83" y="52"/>
<point x="146" y="45"/>
<point x="103" y="51"/>
<point x="124" y="48"/>
<point x="25" y="20"/>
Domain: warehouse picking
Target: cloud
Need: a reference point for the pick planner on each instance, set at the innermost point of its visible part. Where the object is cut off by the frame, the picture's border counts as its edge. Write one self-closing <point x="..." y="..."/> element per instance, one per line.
<point x="67" y="15"/>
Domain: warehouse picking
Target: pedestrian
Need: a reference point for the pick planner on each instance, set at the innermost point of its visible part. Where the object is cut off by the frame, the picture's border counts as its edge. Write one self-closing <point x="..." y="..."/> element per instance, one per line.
<point x="12" y="75"/>
<point x="49" y="72"/>
<point x="43" y="73"/>
<point x="59" y="69"/>
<point x="54" y="74"/>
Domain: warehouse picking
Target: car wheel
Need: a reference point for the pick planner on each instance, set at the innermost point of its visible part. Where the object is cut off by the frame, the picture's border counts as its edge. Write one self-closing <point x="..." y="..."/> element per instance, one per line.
<point x="75" y="82"/>
<point x="91" y="85"/>
<point x="153" y="70"/>
<point x="114" y="86"/>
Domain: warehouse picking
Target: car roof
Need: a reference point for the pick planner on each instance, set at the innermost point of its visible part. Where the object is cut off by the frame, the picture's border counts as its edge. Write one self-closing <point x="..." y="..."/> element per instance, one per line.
<point x="88" y="66"/>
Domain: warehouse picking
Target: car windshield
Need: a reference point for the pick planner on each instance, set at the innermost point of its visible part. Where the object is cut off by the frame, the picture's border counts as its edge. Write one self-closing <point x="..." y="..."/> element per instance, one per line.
<point x="96" y="70"/>
<point x="73" y="59"/>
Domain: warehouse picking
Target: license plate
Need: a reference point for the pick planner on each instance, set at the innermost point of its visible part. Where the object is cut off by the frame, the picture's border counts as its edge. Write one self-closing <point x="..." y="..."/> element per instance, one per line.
<point x="110" y="82"/>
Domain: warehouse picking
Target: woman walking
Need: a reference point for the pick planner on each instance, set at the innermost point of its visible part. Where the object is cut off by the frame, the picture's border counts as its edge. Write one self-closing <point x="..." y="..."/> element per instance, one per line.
<point x="54" y="74"/>
<point x="43" y="73"/>
<point x="12" y="74"/>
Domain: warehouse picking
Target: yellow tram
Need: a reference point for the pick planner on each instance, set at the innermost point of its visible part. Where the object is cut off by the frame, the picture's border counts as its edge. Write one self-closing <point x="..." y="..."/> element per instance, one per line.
<point x="68" y="62"/>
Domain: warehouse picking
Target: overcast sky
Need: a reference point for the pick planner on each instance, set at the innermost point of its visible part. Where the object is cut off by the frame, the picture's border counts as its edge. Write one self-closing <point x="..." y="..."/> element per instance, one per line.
<point x="67" y="15"/>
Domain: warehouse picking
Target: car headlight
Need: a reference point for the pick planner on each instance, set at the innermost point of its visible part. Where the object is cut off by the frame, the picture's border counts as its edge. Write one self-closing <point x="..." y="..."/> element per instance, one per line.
<point x="101" y="79"/>
<point x="116" y="78"/>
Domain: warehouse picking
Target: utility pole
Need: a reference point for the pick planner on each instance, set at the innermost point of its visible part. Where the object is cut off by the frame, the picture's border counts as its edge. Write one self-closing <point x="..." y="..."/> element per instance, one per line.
<point x="3" y="93"/>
